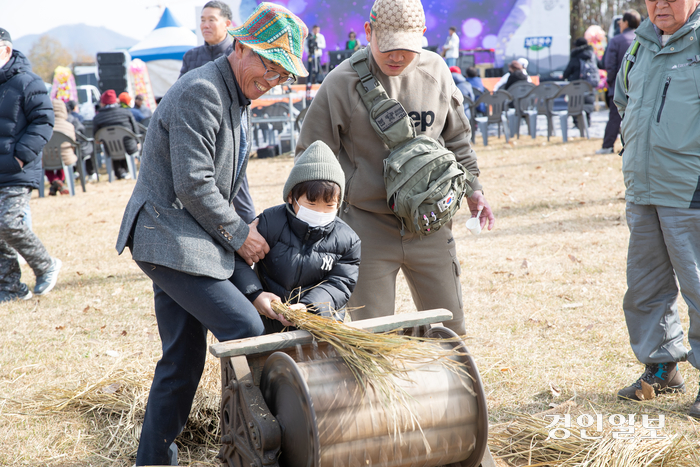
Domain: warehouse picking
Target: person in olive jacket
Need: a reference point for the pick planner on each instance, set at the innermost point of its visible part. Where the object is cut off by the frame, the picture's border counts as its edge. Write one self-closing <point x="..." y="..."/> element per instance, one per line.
<point x="314" y="257"/>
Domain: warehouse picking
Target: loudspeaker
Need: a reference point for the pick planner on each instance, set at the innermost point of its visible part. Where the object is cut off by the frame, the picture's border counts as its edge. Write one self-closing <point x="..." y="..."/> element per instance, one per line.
<point x="336" y="57"/>
<point x="268" y="151"/>
<point x="113" y="71"/>
<point x="464" y="62"/>
<point x="494" y="72"/>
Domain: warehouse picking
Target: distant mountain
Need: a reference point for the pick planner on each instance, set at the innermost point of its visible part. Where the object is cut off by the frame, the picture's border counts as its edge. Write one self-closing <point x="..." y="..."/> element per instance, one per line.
<point x="75" y="37"/>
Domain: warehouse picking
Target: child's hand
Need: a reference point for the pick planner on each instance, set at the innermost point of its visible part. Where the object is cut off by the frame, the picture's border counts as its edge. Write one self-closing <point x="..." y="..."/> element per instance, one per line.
<point x="298" y="306"/>
<point x="264" y="307"/>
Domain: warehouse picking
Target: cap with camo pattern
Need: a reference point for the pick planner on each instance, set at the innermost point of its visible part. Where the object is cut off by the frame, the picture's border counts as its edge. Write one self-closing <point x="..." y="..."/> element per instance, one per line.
<point x="398" y="24"/>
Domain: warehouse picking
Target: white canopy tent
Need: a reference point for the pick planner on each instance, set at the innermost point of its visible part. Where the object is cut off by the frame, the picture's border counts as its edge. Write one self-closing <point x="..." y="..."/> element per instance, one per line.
<point x="162" y="50"/>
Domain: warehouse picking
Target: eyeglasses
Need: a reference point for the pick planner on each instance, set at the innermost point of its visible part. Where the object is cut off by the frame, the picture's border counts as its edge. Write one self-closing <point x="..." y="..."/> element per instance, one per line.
<point x="273" y="76"/>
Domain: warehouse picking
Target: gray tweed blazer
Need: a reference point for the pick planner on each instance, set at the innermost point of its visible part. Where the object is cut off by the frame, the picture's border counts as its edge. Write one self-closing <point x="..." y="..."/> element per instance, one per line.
<point x="181" y="212"/>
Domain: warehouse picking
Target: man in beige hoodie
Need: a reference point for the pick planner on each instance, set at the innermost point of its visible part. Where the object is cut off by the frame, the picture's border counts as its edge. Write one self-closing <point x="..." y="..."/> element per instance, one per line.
<point x="421" y="81"/>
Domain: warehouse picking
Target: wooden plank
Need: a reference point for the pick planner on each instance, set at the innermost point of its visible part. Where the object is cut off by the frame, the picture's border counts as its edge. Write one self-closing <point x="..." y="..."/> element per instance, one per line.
<point x="284" y="340"/>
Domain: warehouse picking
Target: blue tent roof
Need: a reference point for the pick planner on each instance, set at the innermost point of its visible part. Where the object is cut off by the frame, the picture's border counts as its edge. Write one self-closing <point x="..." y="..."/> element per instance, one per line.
<point x="167" y="20"/>
<point x="162" y="53"/>
<point x="168" y="41"/>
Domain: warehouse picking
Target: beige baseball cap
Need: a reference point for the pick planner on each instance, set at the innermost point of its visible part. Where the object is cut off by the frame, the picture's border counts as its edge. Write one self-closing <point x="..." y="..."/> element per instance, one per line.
<point x="398" y="24"/>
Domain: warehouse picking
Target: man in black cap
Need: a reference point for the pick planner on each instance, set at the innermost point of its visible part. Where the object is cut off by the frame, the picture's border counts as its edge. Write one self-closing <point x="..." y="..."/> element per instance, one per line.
<point x="23" y="135"/>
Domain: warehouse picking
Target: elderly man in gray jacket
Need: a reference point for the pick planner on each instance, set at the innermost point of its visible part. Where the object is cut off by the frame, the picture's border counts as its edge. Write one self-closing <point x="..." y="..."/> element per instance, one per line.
<point x="657" y="95"/>
<point x="180" y="224"/>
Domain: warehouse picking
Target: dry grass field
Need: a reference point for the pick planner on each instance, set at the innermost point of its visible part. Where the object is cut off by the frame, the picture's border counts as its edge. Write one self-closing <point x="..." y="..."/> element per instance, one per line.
<point x="542" y="295"/>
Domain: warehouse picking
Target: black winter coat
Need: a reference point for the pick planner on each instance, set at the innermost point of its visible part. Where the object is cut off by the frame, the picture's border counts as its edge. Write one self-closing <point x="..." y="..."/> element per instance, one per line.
<point x="315" y="266"/>
<point x="26" y="122"/>
<point x="198" y="56"/>
<point x="573" y="68"/>
<point x="614" y="54"/>
<point x="117" y="116"/>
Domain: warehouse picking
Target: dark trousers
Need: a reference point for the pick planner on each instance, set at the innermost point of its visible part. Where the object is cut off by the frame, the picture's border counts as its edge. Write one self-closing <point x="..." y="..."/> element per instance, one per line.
<point x="613" y="126"/>
<point x="186" y="306"/>
<point x="243" y="203"/>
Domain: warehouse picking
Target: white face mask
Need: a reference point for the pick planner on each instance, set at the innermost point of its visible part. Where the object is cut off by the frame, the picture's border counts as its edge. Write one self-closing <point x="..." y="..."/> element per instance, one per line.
<point x="314" y="218"/>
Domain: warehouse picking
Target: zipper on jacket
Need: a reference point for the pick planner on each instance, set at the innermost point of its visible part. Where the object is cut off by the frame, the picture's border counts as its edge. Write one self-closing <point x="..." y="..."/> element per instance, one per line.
<point x="663" y="99"/>
<point x="301" y="254"/>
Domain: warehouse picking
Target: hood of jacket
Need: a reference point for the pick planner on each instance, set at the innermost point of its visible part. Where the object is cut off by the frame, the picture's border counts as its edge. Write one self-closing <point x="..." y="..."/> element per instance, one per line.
<point x="459" y="78"/>
<point x="584" y="52"/>
<point x="18" y="63"/>
<point x="59" y="109"/>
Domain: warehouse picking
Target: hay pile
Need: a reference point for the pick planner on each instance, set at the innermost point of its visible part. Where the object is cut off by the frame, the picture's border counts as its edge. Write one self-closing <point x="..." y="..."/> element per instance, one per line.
<point x="116" y="401"/>
<point x="524" y="440"/>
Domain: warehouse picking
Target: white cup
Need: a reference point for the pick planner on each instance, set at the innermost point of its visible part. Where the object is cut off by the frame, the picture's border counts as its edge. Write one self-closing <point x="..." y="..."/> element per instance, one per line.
<point x="474" y="224"/>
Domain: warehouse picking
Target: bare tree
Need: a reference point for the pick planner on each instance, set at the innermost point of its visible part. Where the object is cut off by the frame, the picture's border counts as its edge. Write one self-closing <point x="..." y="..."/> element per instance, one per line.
<point x="46" y="54"/>
<point x="585" y="13"/>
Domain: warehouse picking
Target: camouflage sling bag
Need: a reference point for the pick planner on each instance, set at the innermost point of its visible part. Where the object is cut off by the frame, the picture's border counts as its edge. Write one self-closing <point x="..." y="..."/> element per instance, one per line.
<point x="424" y="182"/>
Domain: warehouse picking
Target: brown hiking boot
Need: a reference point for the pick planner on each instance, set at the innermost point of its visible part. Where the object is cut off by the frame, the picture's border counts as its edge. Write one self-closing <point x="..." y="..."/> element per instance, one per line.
<point x="663" y="377"/>
<point x="695" y="408"/>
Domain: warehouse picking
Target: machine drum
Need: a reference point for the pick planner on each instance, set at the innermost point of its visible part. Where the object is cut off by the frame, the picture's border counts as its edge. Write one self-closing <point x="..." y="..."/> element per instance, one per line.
<point x="328" y="421"/>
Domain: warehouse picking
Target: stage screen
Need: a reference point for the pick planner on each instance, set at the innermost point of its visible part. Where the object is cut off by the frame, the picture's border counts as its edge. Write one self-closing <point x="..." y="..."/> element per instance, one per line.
<point x="506" y="26"/>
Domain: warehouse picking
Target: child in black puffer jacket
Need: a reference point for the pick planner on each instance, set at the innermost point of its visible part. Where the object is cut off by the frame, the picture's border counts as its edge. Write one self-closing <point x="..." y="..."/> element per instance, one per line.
<point x="314" y="256"/>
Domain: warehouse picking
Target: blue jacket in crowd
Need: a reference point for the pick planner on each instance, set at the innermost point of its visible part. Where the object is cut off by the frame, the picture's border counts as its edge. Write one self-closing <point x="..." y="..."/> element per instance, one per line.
<point x="26" y="122"/>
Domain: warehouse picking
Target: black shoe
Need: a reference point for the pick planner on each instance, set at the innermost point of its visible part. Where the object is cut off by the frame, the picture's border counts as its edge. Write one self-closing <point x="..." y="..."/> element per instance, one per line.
<point x="695" y="408"/>
<point x="55" y="188"/>
<point x="663" y="377"/>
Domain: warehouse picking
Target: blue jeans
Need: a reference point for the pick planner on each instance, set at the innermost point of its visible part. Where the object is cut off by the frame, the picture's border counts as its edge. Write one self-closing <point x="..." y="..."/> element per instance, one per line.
<point x="451" y="61"/>
<point x="186" y="306"/>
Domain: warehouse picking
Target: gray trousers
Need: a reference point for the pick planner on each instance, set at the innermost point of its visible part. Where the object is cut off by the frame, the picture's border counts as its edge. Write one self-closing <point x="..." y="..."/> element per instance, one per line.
<point x="429" y="264"/>
<point x="664" y="246"/>
<point x="16" y="236"/>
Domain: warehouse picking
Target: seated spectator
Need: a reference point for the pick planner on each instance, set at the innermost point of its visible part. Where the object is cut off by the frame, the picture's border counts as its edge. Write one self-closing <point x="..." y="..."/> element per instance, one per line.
<point x="464" y="86"/>
<point x="57" y="177"/>
<point x="125" y="103"/>
<point x="516" y="74"/>
<point x="86" y="148"/>
<point x="352" y="43"/>
<point x="504" y="79"/>
<point x="111" y="114"/>
<point x="139" y="105"/>
<point x="72" y="107"/>
<point x="474" y="79"/>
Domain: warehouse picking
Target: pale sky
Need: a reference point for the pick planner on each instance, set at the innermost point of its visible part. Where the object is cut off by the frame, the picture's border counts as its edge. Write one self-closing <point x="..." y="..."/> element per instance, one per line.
<point x="132" y="18"/>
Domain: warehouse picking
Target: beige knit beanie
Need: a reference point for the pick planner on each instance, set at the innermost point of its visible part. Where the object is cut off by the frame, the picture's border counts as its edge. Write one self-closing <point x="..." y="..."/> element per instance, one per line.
<point x="316" y="163"/>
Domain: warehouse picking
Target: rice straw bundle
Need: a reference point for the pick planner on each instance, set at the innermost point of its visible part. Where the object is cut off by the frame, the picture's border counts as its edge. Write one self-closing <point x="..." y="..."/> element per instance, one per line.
<point x="526" y="439"/>
<point x="375" y="358"/>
